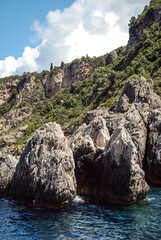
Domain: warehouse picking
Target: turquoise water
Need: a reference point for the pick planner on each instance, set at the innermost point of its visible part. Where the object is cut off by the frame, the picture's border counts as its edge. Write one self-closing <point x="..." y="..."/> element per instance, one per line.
<point x="83" y="220"/>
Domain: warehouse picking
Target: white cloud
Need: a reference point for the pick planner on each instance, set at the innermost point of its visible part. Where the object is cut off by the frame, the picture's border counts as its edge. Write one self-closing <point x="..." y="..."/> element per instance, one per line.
<point x="87" y="27"/>
<point x="11" y="66"/>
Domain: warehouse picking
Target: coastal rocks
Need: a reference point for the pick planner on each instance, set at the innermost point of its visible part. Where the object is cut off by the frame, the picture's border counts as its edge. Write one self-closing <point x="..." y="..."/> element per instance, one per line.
<point x="115" y="172"/>
<point x="44" y="175"/>
<point x="94" y="136"/>
<point x="153" y="160"/>
<point x="87" y="143"/>
<point x="7" y="169"/>
<point x="122" y="180"/>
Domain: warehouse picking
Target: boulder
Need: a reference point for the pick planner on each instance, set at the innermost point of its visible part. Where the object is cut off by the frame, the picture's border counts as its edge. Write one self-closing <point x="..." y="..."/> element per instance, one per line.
<point x="44" y="176"/>
<point x="153" y="160"/>
<point x="7" y="169"/>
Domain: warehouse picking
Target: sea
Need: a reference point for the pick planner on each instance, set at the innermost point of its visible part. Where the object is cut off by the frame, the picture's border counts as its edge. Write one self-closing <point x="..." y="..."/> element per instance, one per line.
<point x="83" y="220"/>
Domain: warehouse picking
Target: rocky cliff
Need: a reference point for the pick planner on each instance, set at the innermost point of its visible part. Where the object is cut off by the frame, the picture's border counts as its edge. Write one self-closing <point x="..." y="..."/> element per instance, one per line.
<point x="65" y="76"/>
<point x="151" y="14"/>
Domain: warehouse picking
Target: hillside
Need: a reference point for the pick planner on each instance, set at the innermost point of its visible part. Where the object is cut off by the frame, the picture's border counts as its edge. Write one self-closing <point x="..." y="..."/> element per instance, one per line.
<point x="66" y="93"/>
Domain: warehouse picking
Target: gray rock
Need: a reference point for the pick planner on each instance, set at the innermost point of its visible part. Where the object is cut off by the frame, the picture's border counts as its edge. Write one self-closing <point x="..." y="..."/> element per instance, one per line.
<point x="138" y="92"/>
<point x="94" y="135"/>
<point x="153" y="161"/>
<point x="114" y="175"/>
<point x="135" y="122"/>
<point x="122" y="180"/>
<point x="87" y="143"/>
<point x="111" y="57"/>
<point x="45" y="173"/>
<point x="7" y="169"/>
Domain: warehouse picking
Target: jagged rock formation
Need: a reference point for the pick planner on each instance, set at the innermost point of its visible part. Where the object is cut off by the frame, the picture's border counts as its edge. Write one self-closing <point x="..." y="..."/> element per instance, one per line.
<point x="44" y="175"/>
<point x="86" y="143"/>
<point x="7" y="169"/>
<point x="116" y="173"/>
<point x="122" y="180"/>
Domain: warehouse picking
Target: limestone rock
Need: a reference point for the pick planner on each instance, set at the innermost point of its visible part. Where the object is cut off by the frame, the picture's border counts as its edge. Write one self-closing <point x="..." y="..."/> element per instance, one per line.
<point x="135" y="123"/>
<point x="111" y="57"/>
<point x="87" y="143"/>
<point x="45" y="173"/>
<point x="7" y="169"/>
<point x="113" y="175"/>
<point x="67" y="75"/>
<point x="95" y="135"/>
<point x="153" y="161"/>
<point x="138" y="92"/>
<point x="103" y="112"/>
<point x="122" y="180"/>
<point x="136" y="30"/>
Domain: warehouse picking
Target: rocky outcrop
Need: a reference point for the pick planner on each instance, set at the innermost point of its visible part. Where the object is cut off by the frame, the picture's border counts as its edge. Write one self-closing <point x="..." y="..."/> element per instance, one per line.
<point x="44" y="175"/>
<point x="67" y="75"/>
<point x="115" y="173"/>
<point x="7" y="87"/>
<point x="87" y="143"/>
<point x="137" y="27"/>
<point x="111" y="57"/>
<point x="138" y="92"/>
<point x="7" y="169"/>
<point x="91" y="137"/>
<point x="122" y="180"/>
<point x="153" y="156"/>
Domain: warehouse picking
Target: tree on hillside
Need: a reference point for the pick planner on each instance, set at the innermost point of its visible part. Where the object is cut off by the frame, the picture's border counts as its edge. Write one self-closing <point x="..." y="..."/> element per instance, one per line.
<point x="51" y="67"/>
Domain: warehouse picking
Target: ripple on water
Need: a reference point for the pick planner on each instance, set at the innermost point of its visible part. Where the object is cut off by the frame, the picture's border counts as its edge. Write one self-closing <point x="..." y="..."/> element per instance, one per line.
<point x="83" y="220"/>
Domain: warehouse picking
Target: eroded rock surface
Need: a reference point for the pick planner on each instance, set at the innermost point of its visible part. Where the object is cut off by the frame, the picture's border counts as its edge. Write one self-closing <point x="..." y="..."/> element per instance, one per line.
<point x="87" y="143"/>
<point x="122" y="179"/>
<point x="115" y="173"/>
<point x="7" y="169"/>
<point x="45" y="173"/>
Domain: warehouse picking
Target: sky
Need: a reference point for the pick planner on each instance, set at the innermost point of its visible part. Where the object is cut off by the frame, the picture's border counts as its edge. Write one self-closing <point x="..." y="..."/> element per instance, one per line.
<point x="36" y="33"/>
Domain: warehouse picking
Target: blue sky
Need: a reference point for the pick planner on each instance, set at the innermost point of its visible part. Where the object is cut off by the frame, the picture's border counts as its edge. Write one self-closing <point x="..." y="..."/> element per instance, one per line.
<point x="16" y="19"/>
<point x="35" y="33"/>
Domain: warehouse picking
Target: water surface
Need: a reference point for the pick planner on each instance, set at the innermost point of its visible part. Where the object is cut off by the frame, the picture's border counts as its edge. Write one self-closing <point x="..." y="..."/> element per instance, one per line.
<point x="83" y="220"/>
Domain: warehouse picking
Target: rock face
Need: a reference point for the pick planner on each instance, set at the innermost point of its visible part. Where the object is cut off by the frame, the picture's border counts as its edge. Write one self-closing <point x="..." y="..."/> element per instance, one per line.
<point x="138" y="92"/>
<point x="116" y="172"/>
<point x="153" y="161"/>
<point x="122" y="180"/>
<point x="87" y="142"/>
<point x="137" y="28"/>
<point x="45" y="173"/>
<point x="67" y="75"/>
<point x="7" y="169"/>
